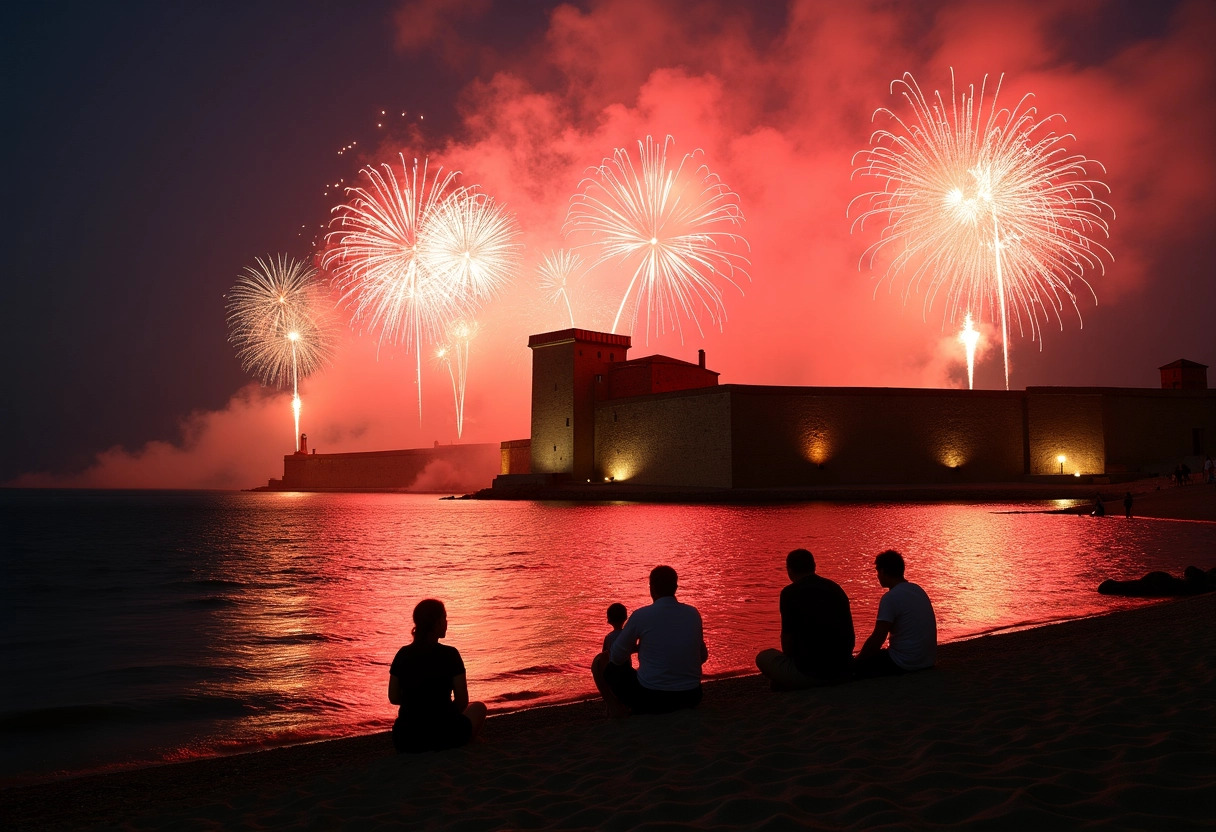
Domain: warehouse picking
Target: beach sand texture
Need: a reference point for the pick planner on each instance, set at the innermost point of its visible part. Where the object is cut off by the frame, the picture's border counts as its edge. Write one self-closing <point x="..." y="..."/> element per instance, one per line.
<point x="1108" y="722"/>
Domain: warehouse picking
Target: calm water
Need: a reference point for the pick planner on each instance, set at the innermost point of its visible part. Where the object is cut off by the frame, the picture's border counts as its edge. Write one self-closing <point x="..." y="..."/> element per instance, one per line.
<point x="144" y="627"/>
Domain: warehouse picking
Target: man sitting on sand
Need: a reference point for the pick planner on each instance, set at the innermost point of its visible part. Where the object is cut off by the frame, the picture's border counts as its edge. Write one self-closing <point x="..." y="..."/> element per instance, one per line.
<point x="669" y="641"/>
<point x="816" y="630"/>
<point x="905" y="614"/>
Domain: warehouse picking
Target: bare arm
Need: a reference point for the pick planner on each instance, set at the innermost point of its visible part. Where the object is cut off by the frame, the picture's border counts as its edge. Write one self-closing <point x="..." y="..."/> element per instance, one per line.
<point x="394" y="690"/>
<point x="460" y="691"/>
<point x="874" y="643"/>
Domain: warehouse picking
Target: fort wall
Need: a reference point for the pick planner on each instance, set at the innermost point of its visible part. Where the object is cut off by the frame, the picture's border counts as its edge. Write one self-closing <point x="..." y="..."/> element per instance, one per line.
<point x="1064" y="422"/>
<point x="744" y="436"/>
<point x="809" y="436"/>
<point x="447" y="468"/>
<point x="679" y="438"/>
<point x="1144" y="426"/>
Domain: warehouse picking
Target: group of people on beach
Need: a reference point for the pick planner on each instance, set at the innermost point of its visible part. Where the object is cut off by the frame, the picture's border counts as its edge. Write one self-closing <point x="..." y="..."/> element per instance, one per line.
<point x="427" y="679"/>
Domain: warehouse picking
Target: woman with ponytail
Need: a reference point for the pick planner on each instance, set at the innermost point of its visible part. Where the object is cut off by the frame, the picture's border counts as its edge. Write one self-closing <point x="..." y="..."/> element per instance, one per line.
<point x="428" y="684"/>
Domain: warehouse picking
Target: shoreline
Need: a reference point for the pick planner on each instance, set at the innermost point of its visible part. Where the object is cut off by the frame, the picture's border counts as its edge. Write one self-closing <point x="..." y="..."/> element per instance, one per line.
<point x="1154" y="497"/>
<point x="1107" y="719"/>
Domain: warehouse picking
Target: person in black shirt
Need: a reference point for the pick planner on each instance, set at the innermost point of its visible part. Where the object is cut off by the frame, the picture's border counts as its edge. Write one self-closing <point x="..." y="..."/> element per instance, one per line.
<point x="427" y="681"/>
<point x="816" y="630"/>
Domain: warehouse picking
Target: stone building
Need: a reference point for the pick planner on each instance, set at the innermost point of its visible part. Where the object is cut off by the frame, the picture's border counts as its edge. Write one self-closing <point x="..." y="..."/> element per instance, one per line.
<point x="659" y="421"/>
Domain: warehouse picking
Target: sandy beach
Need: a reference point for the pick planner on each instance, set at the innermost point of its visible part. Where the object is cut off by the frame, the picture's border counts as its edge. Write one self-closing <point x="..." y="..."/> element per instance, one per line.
<point x="1107" y="722"/>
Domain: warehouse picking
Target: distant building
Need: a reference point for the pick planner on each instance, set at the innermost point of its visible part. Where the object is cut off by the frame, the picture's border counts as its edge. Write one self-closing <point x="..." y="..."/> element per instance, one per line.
<point x="442" y="468"/>
<point x="1184" y="375"/>
<point x="659" y="421"/>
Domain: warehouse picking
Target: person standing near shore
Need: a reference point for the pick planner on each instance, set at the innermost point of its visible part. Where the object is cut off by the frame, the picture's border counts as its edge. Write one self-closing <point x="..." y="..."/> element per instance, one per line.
<point x="427" y="682"/>
<point x="669" y="639"/>
<point x="817" y="635"/>
<point x="905" y="614"/>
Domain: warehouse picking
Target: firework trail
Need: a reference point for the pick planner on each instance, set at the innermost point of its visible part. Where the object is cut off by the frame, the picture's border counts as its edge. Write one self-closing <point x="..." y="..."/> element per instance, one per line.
<point x="969" y="337"/>
<point x="673" y="224"/>
<point x="984" y="204"/>
<point x="279" y="322"/>
<point x="468" y="246"/>
<point x="455" y="356"/>
<point x="373" y="256"/>
<point x="557" y="271"/>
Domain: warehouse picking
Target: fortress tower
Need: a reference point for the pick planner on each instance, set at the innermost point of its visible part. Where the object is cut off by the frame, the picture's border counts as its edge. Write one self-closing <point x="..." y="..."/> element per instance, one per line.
<point x="569" y="370"/>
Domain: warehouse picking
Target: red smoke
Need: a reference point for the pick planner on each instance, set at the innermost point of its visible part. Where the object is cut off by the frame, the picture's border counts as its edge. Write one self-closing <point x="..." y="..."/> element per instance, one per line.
<point x="779" y="111"/>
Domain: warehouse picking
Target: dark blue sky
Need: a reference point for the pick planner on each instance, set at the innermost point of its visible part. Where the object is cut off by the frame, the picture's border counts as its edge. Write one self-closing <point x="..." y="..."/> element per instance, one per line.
<point x="154" y="149"/>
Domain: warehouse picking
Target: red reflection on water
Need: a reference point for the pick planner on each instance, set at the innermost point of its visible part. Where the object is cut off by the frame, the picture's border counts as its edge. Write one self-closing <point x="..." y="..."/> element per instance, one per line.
<point x="332" y="581"/>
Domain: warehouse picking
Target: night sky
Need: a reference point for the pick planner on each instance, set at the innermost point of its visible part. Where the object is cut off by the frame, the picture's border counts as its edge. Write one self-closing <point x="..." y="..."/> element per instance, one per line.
<point x="156" y="149"/>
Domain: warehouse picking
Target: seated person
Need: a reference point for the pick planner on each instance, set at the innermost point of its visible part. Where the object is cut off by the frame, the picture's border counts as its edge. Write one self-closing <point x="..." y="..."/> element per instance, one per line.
<point x="428" y="683"/>
<point x="670" y="643"/>
<point x="617" y="615"/>
<point x="905" y="615"/>
<point x="816" y="630"/>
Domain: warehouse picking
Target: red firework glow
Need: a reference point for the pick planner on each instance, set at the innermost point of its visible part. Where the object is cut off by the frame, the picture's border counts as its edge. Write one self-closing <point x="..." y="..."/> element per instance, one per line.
<point x="778" y="101"/>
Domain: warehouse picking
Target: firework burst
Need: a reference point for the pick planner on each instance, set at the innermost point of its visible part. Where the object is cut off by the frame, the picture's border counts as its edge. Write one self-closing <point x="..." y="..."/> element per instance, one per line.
<point x="985" y="205"/>
<point x="672" y="224"/>
<point x="558" y="269"/>
<point x="373" y="256"/>
<point x="468" y="245"/>
<point x="279" y="322"/>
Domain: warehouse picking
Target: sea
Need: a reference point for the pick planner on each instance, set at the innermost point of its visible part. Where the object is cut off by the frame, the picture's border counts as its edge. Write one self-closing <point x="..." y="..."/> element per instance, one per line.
<point x="139" y="628"/>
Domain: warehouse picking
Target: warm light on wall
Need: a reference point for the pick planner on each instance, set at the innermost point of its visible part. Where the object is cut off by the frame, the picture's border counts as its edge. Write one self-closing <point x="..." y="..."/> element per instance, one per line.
<point x="818" y="449"/>
<point x="618" y="471"/>
<point x="951" y="457"/>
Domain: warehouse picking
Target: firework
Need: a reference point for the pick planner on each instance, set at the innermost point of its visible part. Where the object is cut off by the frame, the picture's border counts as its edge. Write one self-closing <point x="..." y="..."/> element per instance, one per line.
<point x="969" y="337"/>
<point x="671" y="224"/>
<point x="468" y="245"/>
<point x="373" y="256"/>
<point x="279" y="323"/>
<point x="557" y="271"/>
<point x="455" y="356"/>
<point x="984" y="204"/>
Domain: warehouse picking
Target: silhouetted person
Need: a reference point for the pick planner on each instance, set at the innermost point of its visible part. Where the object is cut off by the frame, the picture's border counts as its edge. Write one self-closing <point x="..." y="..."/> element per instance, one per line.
<point x="670" y="643"/>
<point x="1127" y="505"/>
<point x="816" y="630"/>
<point x="1099" y="507"/>
<point x="427" y="681"/>
<point x="617" y="615"/>
<point x="905" y="614"/>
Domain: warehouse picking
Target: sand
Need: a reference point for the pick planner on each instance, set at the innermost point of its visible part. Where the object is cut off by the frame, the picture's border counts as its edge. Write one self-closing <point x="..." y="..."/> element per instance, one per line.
<point x="1105" y="722"/>
<point x="1108" y="722"/>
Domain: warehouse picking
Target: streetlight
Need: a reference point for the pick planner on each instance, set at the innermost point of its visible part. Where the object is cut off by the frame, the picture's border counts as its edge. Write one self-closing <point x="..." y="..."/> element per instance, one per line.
<point x="1061" y="459"/>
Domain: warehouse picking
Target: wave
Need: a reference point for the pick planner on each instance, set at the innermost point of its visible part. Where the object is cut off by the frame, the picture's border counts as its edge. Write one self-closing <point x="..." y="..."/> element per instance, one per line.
<point x="534" y="670"/>
<point x="213" y="602"/>
<point x="301" y="638"/>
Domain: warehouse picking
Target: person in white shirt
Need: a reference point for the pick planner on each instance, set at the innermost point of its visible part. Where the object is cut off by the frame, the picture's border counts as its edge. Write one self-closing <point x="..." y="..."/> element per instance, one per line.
<point x="905" y="616"/>
<point x="669" y="640"/>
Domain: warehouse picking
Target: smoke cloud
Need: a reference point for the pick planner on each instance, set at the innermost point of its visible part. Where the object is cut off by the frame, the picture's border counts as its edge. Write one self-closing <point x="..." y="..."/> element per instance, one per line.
<point x="778" y="107"/>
